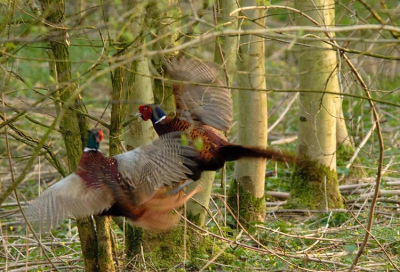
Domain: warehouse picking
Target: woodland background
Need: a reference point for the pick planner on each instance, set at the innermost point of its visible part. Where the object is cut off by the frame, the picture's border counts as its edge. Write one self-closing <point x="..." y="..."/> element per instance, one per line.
<point x="67" y="66"/>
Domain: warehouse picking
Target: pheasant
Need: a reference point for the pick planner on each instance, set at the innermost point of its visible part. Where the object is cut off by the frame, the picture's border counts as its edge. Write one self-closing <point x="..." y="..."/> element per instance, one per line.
<point x="203" y="110"/>
<point x="136" y="184"/>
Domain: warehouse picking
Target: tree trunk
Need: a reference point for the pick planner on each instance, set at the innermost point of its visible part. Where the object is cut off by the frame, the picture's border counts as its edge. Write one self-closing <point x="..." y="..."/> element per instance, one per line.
<point x="317" y="132"/>
<point x="141" y="92"/>
<point x="226" y="55"/>
<point x="226" y="47"/>
<point x="246" y="195"/>
<point x="71" y="124"/>
<point x="138" y="90"/>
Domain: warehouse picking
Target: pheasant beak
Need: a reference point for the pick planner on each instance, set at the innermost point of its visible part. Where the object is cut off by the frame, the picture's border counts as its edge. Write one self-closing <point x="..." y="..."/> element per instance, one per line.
<point x="138" y="114"/>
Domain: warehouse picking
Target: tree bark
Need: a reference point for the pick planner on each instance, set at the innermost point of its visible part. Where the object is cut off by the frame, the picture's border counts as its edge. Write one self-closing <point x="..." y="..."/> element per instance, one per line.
<point x="226" y="55"/>
<point x="72" y="124"/>
<point x="317" y="132"/>
<point x="247" y="190"/>
<point x="141" y="92"/>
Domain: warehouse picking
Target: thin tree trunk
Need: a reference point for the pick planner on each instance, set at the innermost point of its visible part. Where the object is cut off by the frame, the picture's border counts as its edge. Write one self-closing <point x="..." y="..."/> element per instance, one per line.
<point x="71" y="124"/>
<point x="103" y="223"/>
<point x="141" y="92"/>
<point x="317" y="133"/>
<point x="226" y="47"/>
<point x="247" y="190"/>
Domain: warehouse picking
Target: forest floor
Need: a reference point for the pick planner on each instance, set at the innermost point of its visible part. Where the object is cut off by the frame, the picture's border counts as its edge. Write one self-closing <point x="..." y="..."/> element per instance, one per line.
<point x="288" y="240"/>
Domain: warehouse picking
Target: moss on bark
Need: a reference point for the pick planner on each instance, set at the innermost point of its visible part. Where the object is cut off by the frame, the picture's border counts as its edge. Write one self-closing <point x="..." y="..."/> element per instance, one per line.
<point x="309" y="190"/>
<point x="250" y="207"/>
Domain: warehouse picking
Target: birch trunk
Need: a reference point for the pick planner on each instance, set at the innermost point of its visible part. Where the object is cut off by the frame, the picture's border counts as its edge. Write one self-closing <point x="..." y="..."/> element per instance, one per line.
<point x="247" y="190"/>
<point x="317" y="132"/>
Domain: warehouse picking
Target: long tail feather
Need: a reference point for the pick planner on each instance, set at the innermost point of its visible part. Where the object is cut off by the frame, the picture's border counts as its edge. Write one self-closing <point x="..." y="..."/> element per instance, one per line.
<point x="234" y="152"/>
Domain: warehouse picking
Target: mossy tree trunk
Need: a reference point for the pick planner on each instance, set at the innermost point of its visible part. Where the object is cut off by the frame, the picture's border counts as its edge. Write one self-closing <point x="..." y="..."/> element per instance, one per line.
<point x="73" y="126"/>
<point x="246" y="195"/>
<point x="314" y="183"/>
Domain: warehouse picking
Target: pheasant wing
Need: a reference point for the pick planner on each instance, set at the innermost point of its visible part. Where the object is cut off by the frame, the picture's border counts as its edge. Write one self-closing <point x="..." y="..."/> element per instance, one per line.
<point x="146" y="169"/>
<point x="69" y="197"/>
<point x="210" y="105"/>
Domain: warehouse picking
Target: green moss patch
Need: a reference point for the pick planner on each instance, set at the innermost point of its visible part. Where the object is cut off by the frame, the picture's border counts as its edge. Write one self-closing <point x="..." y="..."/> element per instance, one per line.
<point x="251" y="208"/>
<point x="308" y="189"/>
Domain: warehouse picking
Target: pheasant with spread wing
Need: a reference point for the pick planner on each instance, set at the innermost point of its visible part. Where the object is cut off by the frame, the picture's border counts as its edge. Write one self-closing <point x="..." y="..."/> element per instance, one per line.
<point x="136" y="184"/>
<point x="203" y="110"/>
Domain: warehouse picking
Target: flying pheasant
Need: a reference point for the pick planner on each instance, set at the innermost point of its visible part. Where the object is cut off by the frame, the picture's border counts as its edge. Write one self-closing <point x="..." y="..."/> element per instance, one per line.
<point x="203" y="110"/>
<point x="136" y="184"/>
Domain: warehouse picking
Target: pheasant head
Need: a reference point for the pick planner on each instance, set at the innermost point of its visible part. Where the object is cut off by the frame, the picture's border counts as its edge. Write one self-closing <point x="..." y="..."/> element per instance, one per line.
<point x="151" y="112"/>
<point x="94" y="138"/>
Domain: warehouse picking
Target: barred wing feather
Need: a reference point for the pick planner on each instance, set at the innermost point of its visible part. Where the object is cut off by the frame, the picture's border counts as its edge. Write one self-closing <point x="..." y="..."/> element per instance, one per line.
<point x="69" y="197"/>
<point x="210" y="105"/>
<point x="148" y="168"/>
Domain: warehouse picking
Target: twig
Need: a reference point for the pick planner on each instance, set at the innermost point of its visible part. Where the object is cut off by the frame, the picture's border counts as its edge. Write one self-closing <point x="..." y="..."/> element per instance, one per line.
<point x="361" y="145"/>
<point x="373" y="237"/>
<point x="301" y="237"/>
<point x="221" y="251"/>
<point x="270" y="128"/>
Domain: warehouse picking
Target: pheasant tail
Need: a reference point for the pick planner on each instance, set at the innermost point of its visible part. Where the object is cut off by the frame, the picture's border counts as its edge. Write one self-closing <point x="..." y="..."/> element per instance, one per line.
<point x="234" y="152"/>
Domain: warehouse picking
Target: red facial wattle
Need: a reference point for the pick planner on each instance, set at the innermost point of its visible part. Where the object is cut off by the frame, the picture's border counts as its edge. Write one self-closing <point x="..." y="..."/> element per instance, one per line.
<point x="146" y="112"/>
<point x="100" y="136"/>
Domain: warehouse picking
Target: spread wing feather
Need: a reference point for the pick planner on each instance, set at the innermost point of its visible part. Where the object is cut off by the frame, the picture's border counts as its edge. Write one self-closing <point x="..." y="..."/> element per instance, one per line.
<point x="148" y="168"/>
<point x="210" y="105"/>
<point x="69" y="197"/>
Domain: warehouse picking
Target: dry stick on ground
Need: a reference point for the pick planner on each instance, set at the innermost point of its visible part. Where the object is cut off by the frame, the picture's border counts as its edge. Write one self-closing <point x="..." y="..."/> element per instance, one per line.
<point x="302" y="236"/>
<point x="221" y="251"/>
<point x="279" y="256"/>
<point x="265" y="250"/>
<point x="211" y="216"/>
<point x="376" y="240"/>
